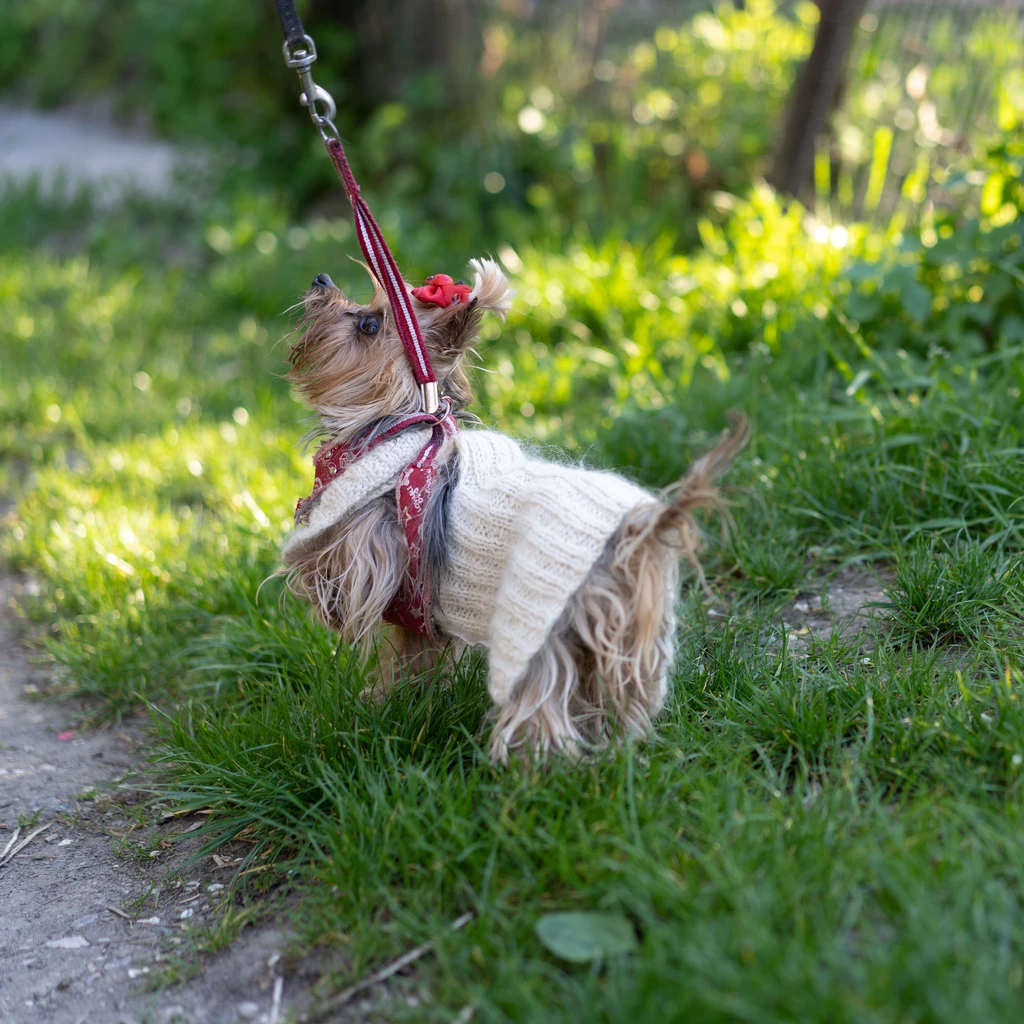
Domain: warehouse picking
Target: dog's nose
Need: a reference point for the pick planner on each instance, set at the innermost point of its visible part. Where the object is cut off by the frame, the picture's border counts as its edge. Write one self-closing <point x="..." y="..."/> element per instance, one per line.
<point x="322" y="281"/>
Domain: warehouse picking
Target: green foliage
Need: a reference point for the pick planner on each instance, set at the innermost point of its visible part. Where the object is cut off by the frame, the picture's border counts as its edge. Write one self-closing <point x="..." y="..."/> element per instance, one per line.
<point x="929" y="105"/>
<point x="585" y="936"/>
<point x="959" y="294"/>
<point x="954" y="286"/>
<point x="964" y="595"/>
<point x="633" y="135"/>
<point x="599" y="329"/>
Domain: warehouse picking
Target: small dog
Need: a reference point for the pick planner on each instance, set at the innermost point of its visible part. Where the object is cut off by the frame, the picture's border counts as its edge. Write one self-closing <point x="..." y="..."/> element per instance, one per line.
<point x="566" y="576"/>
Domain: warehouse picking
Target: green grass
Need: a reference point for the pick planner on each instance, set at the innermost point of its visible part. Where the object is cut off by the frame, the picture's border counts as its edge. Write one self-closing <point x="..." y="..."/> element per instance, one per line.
<point x="965" y="595"/>
<point x="815" y="838"/>
<point x="823" y="833"/>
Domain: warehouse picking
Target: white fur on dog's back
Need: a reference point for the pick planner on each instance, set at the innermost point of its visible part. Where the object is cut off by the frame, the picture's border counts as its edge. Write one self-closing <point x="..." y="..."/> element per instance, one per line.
<point x="524" y="535"/>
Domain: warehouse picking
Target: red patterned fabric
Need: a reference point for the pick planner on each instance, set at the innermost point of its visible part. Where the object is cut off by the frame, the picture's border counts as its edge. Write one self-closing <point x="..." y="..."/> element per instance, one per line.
<point x="412" y="607"/>
<point x="441" y="290"/>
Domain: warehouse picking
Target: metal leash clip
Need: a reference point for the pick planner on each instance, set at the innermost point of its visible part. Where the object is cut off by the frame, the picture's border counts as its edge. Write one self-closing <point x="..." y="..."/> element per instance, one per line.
<point x="300" y="59"/>
<point x="429" y="400"/>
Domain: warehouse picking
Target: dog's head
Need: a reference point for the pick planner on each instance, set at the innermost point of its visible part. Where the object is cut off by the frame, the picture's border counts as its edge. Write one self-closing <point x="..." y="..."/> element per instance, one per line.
<point x="348" y="361"/>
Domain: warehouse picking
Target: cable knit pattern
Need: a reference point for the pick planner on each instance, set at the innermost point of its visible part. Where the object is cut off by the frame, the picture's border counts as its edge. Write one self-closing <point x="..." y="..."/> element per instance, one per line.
<point x="525" y="534"/>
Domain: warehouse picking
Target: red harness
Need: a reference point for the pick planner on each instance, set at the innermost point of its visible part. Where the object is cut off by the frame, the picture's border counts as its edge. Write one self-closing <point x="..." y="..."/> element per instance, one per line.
<point x="412" y="606"/>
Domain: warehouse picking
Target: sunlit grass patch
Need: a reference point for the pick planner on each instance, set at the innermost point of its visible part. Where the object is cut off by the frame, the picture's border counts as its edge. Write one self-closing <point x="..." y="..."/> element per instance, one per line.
<point x="141" y="543"/>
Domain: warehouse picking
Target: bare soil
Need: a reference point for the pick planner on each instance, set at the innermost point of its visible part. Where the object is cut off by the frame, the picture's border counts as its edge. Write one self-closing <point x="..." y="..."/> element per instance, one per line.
<point x="88" y="918"/>
<point x="842" y="604"/>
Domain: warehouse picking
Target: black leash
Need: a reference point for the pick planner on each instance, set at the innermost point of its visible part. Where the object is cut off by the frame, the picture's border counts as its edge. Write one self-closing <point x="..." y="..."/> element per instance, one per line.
<point x="300" y="55"/>
<point x="291" y="23"/>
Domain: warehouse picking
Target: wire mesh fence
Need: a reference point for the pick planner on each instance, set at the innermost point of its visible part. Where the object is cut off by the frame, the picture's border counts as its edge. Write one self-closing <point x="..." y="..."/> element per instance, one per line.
<point x="927" y="85"/>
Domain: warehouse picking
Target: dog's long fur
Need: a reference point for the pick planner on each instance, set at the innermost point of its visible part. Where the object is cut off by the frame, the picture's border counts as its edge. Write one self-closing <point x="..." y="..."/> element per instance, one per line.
<point x="604" y="668"/>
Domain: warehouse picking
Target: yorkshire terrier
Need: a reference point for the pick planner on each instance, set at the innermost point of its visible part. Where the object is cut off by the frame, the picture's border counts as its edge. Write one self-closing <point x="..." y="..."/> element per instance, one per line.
<point x="566" y="576"/>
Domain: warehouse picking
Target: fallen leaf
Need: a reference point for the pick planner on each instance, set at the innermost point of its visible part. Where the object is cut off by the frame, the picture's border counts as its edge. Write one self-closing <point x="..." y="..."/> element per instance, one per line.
<point x="585" y="935"/>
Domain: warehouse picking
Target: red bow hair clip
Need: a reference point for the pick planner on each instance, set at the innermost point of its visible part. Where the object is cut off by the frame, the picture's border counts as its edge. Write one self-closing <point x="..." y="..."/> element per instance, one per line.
<point x="441" y="290"/>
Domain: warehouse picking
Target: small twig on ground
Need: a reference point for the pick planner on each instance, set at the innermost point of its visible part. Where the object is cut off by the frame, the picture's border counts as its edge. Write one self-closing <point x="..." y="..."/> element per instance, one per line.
<point x="345" y="995"/>
<point x="8" y="857"/>
<point x="11" y="842"/>
<point x="181" y="812"/>
<point x="120" y="913"/>
<point x="275" y="1006"/>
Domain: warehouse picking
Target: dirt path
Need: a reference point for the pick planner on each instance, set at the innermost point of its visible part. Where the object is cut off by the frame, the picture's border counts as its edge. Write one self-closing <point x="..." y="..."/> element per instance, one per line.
<point x="66" y="957"/>
<point x="845" y="604"/>
<point x="83" y="146"/>
<point x="88" y="919"/>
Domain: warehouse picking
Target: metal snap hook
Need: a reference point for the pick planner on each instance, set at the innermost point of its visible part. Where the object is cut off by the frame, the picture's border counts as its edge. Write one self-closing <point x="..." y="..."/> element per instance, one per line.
<point x="320" y="95"/>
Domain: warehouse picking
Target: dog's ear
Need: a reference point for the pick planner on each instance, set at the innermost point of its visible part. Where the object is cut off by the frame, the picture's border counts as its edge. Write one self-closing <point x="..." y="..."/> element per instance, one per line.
<point x="456" y="386"/>
<point x="451" y="331"/>
<point x="491" y="290"/>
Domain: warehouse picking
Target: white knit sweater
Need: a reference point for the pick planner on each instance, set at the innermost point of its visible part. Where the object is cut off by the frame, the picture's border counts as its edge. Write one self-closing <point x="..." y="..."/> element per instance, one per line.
<point x="524" y="534"/>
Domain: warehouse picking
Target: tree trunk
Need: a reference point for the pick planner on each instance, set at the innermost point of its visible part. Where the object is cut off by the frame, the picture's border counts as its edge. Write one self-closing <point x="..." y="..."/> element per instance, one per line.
<point x="397" y="39"/>
<point x="815" y="95"/>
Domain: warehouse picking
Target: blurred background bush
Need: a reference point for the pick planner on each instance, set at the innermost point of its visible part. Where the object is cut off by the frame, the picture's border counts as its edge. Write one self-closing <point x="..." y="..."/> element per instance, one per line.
<point x="678" y="189"/>
<point x="624" y="116"/>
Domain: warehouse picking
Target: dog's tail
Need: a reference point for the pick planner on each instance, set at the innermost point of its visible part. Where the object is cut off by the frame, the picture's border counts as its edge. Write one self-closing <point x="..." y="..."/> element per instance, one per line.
<point x="673" y="523"/>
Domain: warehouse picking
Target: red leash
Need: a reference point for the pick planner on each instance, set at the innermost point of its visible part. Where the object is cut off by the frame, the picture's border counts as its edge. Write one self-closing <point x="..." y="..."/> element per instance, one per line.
<point x="385" y="270"/>
<point x="412" y="607"/>
<point x="300" y="54"/>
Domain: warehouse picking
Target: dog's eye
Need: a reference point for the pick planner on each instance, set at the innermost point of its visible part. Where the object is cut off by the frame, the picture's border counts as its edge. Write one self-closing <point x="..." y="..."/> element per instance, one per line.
<point x="369" y="324"/>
